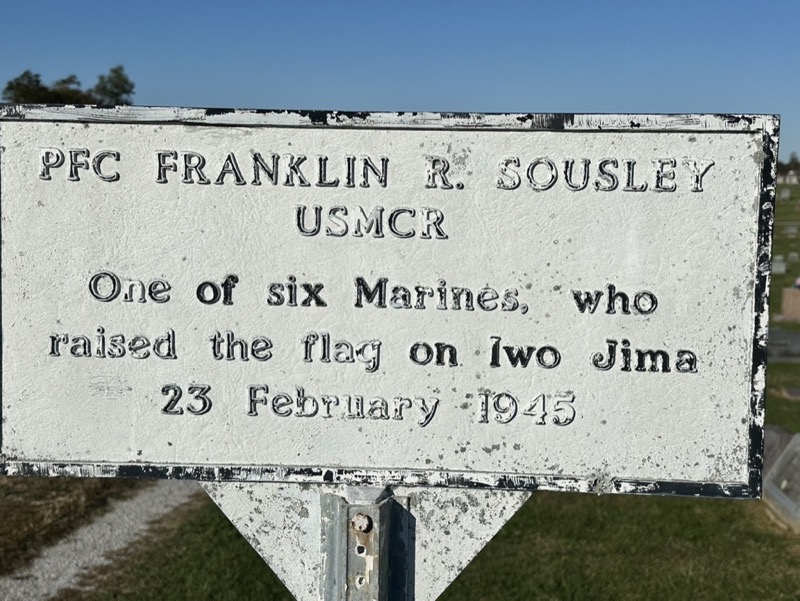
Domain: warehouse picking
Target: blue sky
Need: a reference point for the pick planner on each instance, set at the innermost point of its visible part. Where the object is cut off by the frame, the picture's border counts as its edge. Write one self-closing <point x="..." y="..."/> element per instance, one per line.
<point x="644" y="57"/>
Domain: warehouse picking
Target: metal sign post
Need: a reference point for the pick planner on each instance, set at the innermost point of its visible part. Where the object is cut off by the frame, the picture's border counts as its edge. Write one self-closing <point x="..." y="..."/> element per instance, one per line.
<point x="304" y="533"/>
<point x="372" y="335"/>
<point x="366" y="548"/>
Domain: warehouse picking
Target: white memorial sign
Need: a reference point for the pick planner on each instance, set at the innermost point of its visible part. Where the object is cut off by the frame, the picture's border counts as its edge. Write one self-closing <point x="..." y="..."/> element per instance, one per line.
<point x="512" y="301"/>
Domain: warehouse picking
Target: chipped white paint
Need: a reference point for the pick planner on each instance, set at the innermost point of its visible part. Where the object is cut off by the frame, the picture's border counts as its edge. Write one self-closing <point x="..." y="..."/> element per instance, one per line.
<point x="283" y="523"/>
<point x="482" y="202"/>
<point x="418" y="120"/>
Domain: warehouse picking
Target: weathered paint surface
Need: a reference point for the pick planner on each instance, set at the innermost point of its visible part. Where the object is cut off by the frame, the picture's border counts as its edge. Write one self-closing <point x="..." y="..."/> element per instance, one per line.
<point x="283" y="523"/>
<point x="495" y="243"/>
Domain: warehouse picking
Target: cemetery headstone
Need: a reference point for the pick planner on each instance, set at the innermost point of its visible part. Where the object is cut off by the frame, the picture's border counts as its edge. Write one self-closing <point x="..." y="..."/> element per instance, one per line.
<point x="782" y="484"/>
<point x="775" y="441"/>
<point x="784" y="345"/>
<point x="790" y="303"/>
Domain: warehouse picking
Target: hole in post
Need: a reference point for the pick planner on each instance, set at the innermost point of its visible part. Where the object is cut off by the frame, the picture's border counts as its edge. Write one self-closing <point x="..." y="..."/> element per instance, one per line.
<point x="361" y="549"/>
<point x="361" y="581"/>
<point x="361" y="523"/>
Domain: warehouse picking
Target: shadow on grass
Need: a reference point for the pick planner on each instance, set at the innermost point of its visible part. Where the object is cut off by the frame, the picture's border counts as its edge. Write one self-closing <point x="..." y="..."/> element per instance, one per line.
<point x="35" y="512"/>
<point x="558" y="546"/>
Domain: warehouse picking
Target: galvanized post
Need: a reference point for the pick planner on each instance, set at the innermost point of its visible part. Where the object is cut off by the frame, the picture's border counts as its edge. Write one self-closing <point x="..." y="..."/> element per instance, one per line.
<point x="367" y="548"/>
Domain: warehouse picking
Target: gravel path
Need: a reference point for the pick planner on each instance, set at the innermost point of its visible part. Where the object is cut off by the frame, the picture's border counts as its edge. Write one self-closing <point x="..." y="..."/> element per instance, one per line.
<point x="60" y="566"/>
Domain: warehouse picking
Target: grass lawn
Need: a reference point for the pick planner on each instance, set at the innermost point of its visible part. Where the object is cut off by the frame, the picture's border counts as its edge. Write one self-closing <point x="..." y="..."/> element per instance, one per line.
<point x="783" y="412"/>
<point x="35" y="512"/>
<point x="780" y="410"/>
<point x="558" y="546"/>
<point x="569" y="546"/>
<point x="194" y="554"/>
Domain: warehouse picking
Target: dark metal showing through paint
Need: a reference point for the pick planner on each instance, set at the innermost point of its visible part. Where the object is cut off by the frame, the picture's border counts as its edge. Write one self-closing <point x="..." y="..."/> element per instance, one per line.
<point x="547" y="122"/>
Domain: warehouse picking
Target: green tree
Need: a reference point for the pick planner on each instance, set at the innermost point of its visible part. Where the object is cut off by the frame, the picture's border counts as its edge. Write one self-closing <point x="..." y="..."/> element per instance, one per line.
<point x="112" y="89"/>
<point x="794" y="163"/>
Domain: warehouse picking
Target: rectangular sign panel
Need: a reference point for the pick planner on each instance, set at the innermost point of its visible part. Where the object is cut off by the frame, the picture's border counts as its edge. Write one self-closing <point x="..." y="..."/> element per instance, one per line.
<point x="522" y="301"/>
